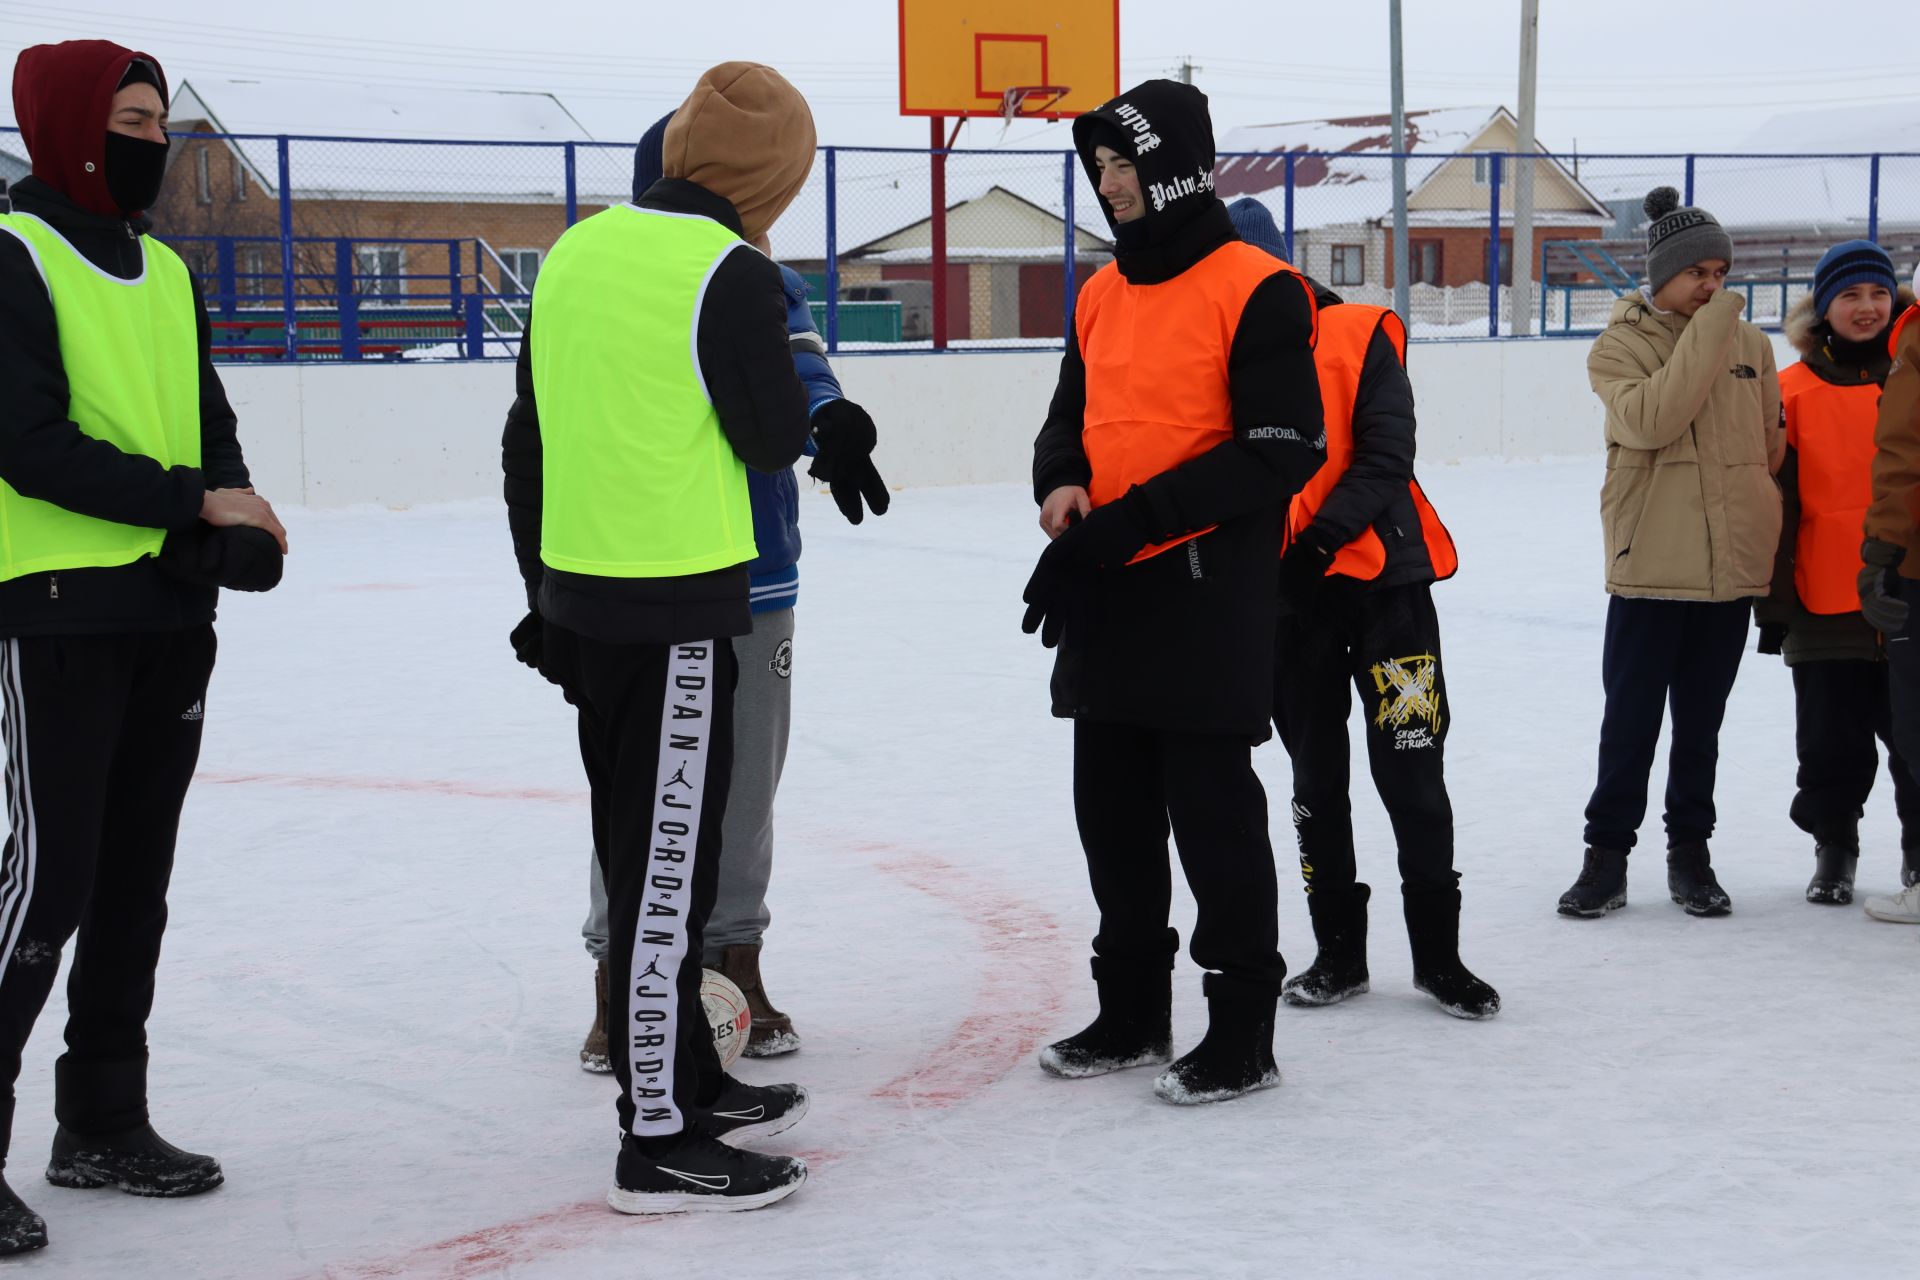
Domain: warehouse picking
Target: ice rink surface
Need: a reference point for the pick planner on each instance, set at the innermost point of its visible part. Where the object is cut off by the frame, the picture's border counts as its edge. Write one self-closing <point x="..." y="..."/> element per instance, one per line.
<point x="373" y="990"/>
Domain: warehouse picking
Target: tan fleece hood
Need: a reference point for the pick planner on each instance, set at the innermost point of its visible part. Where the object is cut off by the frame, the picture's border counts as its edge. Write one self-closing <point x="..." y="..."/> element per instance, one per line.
<point x="746" y="135"/>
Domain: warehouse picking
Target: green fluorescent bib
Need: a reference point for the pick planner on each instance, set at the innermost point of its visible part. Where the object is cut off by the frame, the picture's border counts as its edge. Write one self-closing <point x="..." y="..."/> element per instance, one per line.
<point x="132" y="359"/>
<point x="640" y="481"/>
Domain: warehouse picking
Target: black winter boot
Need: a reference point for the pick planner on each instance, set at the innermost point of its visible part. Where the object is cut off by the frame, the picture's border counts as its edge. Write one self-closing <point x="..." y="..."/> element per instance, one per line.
<point x="1690" y="880"/>
<point x="1833" y="867"/>
<point x="1235" y="1057"/>
<point x="1910" y="867"/>
<point x="1602" y="886"/>
<point x="1135" y="1024"/>
<point x="21" y="1229"/>
<point x="1339" y="969"/>
<point x="1433" y="931"/>
<point x="137" y="1161"/>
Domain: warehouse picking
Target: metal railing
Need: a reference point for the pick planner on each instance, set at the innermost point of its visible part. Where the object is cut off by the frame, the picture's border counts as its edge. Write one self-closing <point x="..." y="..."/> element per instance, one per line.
<point x="337" y="248"/>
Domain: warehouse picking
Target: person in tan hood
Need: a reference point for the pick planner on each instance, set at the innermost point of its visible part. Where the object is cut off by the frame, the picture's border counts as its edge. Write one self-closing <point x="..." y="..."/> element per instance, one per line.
<point x="1692" y="520"/>
<point x="627" y="499"/>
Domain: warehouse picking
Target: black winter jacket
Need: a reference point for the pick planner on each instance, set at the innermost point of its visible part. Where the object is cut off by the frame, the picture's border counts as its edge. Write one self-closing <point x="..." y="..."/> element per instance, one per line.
<point x="43" y="454"/>
<point x="1183" y="641"/>
<point x="1375" y="489"/>
<point x="744" y="358"/>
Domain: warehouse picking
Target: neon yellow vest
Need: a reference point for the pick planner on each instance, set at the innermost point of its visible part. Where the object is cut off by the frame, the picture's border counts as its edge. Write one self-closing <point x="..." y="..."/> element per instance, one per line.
<point x="640" y="481"/>
<point x="132" y="360"/>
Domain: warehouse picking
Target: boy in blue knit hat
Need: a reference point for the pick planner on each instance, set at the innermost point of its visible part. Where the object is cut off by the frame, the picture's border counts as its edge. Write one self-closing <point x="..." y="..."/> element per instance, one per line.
<point x="1812" y="618"/>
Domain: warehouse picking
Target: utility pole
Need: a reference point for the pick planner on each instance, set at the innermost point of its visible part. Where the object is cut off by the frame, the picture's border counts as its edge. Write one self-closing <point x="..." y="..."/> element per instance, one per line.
<point x="1187" y="69"/>
<point x="1523" y="255"/>
<point x="1401" y="296"/>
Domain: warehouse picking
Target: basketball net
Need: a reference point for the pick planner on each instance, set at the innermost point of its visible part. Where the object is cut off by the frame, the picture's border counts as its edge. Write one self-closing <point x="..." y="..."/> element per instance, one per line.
<point x="1014" y="102"/>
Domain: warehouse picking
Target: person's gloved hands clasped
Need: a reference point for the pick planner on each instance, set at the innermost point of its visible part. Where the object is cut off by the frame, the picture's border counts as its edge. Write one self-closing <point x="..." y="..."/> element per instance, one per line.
<point x="1106" y="538"/>
<point x="1886" y="611"/>
<point x="844" y="435"/>
<point x="1303" y="571"/>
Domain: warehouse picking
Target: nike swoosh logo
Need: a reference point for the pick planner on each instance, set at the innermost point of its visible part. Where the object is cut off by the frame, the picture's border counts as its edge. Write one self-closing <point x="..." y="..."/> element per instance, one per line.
<point x="758" y="1112"/>
<point x="711" y="1181"/>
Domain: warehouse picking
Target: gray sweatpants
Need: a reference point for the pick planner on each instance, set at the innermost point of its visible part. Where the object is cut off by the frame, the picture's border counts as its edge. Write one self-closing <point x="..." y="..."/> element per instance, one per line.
<point x="762" y="715"/>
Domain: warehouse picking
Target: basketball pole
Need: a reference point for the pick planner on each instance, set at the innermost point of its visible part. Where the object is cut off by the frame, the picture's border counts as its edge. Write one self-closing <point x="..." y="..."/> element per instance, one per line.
<point x="939" y="158"/>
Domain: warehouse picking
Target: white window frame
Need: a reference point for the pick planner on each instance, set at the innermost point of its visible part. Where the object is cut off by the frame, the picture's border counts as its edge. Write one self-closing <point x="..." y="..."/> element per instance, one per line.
<point x="378" y="282"/>
<point x="1337" y="259"/>
<point x="203" y="180"/>
<point x="514" y="260"/>
<point x="239" y="177"/>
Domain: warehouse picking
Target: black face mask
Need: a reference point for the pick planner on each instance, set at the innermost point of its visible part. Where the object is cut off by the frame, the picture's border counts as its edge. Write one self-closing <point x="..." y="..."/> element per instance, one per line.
<point x="135" y="170"/>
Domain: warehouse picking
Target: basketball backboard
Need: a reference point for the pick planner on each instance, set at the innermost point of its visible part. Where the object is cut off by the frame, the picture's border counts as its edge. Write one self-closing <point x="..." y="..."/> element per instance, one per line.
<point x="961" y="57"/>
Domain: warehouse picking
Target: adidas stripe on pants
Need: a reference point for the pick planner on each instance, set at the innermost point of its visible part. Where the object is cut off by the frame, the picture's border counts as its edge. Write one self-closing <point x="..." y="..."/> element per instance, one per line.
<point x="102" y="736"/>
<point x="656" y="738"/>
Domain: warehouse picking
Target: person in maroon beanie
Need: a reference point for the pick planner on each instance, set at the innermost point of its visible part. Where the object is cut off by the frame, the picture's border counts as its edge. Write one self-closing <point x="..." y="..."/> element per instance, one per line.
<point x="124" y="505"/>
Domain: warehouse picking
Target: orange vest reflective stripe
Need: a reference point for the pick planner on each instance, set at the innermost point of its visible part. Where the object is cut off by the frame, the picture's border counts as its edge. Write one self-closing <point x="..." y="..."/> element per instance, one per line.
<point x="1830" y="429"/>
<point x="1346" y="332"/>
<point x="1156" y="359"/>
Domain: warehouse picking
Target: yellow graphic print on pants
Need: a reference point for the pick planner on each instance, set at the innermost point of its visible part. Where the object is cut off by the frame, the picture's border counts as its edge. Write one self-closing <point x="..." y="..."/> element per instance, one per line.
<point x="1409" y="691"/>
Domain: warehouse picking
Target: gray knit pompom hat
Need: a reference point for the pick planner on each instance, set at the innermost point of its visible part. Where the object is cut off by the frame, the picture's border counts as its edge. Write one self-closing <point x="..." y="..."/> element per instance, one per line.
<point x="1678" y="237"/>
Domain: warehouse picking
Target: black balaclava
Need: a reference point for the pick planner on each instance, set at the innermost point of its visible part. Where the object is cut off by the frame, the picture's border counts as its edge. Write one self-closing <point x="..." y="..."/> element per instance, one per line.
<point x="1164" y="128"/>
<point x="135" y="166"/>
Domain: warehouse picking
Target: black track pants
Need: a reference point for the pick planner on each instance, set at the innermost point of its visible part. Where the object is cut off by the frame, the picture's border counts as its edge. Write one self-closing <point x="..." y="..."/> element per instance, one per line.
<point x="102" y="736"/>
<point x="1384" y="642"/>
<point x="656" y="737"/>
<point x="1130" y="785"/>
<point x="1839" y="708"/>
<point x="1663" y="654"/>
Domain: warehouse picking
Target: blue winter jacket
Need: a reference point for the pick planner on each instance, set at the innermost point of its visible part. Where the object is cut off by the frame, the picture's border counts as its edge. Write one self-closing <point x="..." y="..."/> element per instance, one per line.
<point x="776" y="498"/>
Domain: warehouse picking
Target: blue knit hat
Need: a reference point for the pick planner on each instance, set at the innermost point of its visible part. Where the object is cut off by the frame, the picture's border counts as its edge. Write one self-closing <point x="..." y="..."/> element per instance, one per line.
<point x="1254" y="222"/>
<point x="1847" y="264"/>
<point x="649" y="157"/>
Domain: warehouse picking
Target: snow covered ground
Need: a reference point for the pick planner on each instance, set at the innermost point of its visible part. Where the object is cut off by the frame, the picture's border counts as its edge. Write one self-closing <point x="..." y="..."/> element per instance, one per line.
<point x="374" y="990"/>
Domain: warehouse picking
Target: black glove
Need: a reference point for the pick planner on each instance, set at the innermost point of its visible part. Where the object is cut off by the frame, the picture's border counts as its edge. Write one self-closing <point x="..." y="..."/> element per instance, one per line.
<point x="1303" y="571"/>
<point x="1106" y="538"/>
<point x="1772" y="636"/>
<point x="528" y="639"/>
<point x="844" y="435"/>
<point x="1885" y="610"/>
<point x="238" y="557"/>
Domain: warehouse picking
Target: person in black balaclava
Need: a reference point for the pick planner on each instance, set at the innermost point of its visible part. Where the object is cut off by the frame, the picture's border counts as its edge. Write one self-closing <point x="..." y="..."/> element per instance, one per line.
<point x="127" y="504"/>
<point x="1186" y="416"/>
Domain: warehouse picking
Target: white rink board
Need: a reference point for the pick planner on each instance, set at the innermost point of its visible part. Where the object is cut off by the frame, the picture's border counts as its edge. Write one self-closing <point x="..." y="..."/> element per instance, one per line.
<point x="330" y="435"/>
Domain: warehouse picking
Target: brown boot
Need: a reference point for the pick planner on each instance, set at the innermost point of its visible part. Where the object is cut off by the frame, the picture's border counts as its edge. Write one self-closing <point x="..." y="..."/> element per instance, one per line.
<point x="772" y="1032"/>
<point x="593" y="1054"/>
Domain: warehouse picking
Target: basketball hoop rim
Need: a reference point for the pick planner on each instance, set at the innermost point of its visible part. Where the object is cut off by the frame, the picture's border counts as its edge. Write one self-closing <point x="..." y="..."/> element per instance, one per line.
<point x="1014" y="98"/>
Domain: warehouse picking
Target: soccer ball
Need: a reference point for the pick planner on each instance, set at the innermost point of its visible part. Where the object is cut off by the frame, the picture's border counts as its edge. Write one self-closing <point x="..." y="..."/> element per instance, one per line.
<point x="726" y="1013"/>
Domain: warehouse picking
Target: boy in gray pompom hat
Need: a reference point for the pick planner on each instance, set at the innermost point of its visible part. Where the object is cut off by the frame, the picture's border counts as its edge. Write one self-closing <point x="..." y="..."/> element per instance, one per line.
<point x="1678" y="237"/>
<point x="1691" y="517"/>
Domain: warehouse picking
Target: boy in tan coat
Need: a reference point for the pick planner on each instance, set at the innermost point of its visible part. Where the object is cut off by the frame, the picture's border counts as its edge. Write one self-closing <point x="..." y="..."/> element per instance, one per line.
<point x="1692" y="519"/>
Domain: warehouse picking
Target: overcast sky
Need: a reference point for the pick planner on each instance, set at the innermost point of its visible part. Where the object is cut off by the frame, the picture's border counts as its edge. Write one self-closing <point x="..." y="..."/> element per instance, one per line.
<point x="1615" y="75"/>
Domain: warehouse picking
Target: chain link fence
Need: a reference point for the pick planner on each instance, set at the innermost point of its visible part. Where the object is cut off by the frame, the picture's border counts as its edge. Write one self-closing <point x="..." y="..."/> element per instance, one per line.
<point x="342" y="248"/>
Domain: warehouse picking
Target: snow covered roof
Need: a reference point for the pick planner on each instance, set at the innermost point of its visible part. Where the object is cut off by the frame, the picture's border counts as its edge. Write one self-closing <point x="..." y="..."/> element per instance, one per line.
<point x="381" y="170"/>
<point x="1343" y="171"/>
<point x="1892" y="127"/>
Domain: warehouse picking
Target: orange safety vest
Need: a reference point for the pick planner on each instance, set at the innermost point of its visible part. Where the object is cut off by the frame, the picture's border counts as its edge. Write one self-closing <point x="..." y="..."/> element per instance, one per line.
<point x="1156" y="360"/>
<point x="1893" y="334"/>
<point x="1346" y="332"/>
<point x="1830" y="429"/>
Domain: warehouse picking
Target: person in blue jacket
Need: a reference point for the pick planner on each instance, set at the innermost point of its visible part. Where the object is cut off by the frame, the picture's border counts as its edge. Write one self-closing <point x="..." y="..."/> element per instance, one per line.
<point x="841" y="449"/>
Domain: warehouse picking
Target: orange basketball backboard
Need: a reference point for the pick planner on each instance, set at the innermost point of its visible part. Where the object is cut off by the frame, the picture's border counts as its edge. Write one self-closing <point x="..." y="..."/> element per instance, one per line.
<point x="958" y="57"/>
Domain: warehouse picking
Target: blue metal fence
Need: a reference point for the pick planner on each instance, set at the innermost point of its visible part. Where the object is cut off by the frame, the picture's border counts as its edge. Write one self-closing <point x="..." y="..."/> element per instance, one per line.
<point x="338" y="248"/>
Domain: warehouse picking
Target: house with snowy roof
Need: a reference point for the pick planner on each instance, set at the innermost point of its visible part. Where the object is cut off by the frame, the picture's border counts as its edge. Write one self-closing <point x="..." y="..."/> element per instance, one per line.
<point x="1343" y="194"/>
<point x="418" y="217"/>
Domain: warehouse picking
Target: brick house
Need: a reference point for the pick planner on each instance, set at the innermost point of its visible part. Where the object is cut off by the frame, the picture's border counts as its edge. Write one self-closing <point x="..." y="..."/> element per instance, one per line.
<point x="1343" y="194"/>
<point x="422" y="223"/>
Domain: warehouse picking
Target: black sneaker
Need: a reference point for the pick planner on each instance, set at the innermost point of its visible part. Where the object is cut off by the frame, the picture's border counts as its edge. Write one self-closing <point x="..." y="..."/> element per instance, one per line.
<point x="137" y="1161"/>
<point x="21" y="1229"/>
<point x="1601" y="887"/>
<point x="744" y="1112"/>
<point x="699" y="1173"/>
<point x="1690" y="880"/>
<point x="1833" y="868"/>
